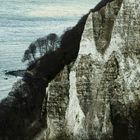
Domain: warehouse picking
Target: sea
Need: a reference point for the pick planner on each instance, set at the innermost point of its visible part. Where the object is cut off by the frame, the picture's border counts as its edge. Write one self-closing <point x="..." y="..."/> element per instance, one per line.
<point x="23" y="21"/>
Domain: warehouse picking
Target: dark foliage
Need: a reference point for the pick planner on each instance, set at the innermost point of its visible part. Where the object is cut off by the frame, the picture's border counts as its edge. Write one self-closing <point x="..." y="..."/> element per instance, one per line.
<point x="41" y="46"/>
<point x="52" y="63"/>
<point x="101" y="4"/>
<point x="20" y="109"/>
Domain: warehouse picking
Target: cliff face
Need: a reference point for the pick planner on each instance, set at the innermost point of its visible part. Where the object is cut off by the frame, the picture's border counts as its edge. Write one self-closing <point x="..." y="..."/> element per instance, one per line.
<point x="98" y="96"/>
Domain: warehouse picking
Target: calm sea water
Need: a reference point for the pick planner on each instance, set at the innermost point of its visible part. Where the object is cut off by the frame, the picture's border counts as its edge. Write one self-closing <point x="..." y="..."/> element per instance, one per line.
<point x="23" y="21"/>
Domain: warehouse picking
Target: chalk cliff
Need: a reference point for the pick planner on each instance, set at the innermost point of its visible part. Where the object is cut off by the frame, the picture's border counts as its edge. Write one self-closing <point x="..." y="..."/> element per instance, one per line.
<point x="95" y="97"/>
<point x="99" y="97"/>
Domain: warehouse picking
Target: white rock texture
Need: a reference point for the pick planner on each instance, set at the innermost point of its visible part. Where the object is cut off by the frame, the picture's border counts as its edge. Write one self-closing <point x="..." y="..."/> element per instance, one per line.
<point x="99" y="97"/>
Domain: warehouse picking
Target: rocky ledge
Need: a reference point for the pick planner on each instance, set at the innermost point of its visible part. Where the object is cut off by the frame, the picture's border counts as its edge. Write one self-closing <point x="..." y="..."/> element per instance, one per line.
<point x="16" y="73"/>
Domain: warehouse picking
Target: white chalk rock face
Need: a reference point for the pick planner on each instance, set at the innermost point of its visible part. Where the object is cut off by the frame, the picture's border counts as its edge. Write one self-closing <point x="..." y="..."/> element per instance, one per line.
<point x="99" y="98"/>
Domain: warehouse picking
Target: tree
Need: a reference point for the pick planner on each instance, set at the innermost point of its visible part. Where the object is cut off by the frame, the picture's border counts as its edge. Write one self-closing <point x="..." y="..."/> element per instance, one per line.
<point x="40" y="47"/>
